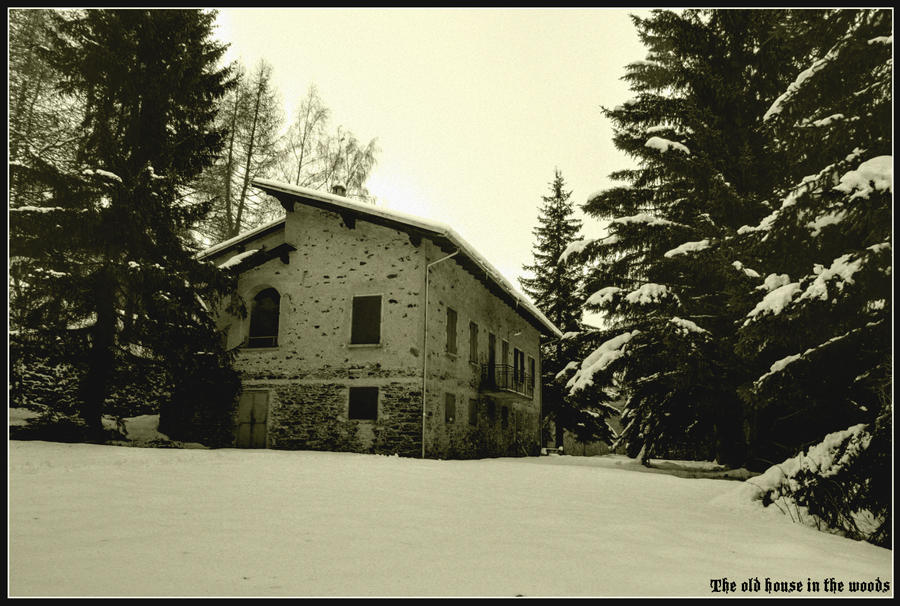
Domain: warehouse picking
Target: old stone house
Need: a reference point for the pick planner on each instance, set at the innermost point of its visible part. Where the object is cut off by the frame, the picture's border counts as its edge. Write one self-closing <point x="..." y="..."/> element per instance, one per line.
<point x="370" y="330"/>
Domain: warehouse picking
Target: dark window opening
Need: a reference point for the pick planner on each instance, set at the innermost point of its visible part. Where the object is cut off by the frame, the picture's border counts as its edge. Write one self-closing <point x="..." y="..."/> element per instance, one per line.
<point x="473" y="342"/>
<point x="491" y="411"/>
<point x="449" y="408"/>
<point x="518" y="365"/>
<point x="451" y="330"/>
<point x="366" y="323"/>
<point x="473" y="412"/>
<point x="531" y="370"/>
<point x="264" y="319"/>
<point x="363" y="403"/>
<point x="492" y="358"/>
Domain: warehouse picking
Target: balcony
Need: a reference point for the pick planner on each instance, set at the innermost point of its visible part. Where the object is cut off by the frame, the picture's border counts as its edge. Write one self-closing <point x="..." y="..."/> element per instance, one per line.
<point x="506" y="380"/>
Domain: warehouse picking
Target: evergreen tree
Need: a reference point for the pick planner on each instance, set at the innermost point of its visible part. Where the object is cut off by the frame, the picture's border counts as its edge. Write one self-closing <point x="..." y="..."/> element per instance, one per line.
<point x="817" y="337"/>
<point x="665" y="275"/>
<point x="555" y="289"/>
<point x="111" y="278"/>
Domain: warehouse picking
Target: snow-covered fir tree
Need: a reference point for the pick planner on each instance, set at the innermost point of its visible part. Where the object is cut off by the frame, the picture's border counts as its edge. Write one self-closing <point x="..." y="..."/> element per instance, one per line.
<point x="664" y="276"/>
<point x="106" y="274"/>
<point x="817" y="331"/>
<point x="556" y="289"/>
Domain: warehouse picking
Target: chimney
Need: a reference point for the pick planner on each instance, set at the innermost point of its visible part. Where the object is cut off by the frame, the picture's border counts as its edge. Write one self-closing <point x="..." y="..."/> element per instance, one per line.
<point x="338" y="189"/>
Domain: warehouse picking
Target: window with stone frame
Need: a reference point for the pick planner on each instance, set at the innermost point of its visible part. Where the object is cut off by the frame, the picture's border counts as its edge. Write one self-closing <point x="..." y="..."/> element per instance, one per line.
<point x="449" y="408"/>
<point x="518" y="365"/>
<point x="264" y="313"/>
<point x="491" y="411"/>
<point x="451" y="330"/>
<point x="365" y="325"/>
<point x="363" y="403"/>
<point x="473" y="342"/>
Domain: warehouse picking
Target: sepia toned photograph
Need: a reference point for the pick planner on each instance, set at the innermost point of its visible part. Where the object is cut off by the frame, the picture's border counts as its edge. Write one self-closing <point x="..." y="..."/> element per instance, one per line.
<point x="450" y="302"/>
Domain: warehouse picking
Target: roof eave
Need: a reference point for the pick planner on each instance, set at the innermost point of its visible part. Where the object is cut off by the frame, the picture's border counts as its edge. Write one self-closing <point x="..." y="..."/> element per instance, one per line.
<point x="287" y="195"/>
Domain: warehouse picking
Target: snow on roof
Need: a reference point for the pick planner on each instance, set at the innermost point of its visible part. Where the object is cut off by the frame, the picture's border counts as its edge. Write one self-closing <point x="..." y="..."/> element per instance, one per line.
<point x="236" y="259"/>
<point x="212" y="250"/>
<point x="428" y="225"/>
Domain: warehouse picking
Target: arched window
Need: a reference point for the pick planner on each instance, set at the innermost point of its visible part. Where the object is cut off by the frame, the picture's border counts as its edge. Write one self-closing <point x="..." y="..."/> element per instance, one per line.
<point x="264" y="319"/>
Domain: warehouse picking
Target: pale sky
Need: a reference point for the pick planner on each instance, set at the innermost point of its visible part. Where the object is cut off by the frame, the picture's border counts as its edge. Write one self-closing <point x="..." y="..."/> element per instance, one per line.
<point x="473" y="109"/>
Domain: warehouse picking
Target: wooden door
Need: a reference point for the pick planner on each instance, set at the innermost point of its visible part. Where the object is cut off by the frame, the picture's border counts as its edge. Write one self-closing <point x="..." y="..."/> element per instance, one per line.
<point x="253" y="413"/>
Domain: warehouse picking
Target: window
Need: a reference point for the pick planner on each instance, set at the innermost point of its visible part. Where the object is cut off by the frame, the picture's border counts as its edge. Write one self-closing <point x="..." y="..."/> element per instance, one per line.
<point x="505" y="353"/>
<point x="531" y="371"/>
<point x="451" y="330"/>
<point x="449" y="408"/>
<point x="264" y="319"/>
<point x="491" y="411"/>
<point x="365" y="326"/>
<point x="363" y="403"/>
<point x="504" y="417"/>
<point x="518" y="365"/>
<point x="473" y="412"/>
<point x="473" y="342"/>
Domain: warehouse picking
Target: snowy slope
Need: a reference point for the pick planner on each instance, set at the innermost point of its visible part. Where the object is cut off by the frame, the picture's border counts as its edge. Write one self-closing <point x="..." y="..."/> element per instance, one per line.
<point x="105" y="520"/>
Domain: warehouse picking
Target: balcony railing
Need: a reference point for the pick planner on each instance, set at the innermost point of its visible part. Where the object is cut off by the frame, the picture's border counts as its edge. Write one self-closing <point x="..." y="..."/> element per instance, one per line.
<point x="506" y="378"/>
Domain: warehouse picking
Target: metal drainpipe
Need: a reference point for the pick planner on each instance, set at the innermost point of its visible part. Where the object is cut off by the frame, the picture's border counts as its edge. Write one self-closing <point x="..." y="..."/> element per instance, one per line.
<point x="425" y="345"/>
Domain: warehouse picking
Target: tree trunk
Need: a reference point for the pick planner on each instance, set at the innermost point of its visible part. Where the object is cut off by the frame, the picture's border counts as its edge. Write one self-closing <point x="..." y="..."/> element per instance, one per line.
<point x="229" y="164"/>
<point x="100" y="361"/>
<point x="249" y="161"/>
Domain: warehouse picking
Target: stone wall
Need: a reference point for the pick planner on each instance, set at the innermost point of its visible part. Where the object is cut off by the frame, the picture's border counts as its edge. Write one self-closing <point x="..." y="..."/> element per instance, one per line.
<point x="306" y="415"/>
<point x="311" y="370"/>
<point x="452" y="286"/>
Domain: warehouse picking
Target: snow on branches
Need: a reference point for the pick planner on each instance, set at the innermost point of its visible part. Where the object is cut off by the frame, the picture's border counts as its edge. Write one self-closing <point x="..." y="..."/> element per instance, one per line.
<point x="775" y="301"/>
<point x="874" y="174"/>
<point x="607" y="353"/>
<point x="664" y="145"/>
<point x="687" y="247"/>
<point x="576" y="247"/>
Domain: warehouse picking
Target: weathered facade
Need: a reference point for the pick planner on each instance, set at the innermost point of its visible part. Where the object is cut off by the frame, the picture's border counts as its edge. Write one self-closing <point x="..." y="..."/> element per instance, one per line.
<point x="373" y="331"/>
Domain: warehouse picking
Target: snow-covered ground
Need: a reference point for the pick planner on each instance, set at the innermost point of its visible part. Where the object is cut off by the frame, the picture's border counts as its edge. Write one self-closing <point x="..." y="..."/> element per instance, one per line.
<point x="106" y="520"/>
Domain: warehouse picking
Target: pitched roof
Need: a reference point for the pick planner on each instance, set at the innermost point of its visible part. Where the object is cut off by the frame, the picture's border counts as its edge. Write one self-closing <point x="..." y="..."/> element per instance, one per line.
<point x="441" y="234"/>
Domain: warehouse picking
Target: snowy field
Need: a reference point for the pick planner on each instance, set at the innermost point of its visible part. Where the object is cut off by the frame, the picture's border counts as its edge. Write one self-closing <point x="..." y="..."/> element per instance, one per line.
<point x="107" y="520"/>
